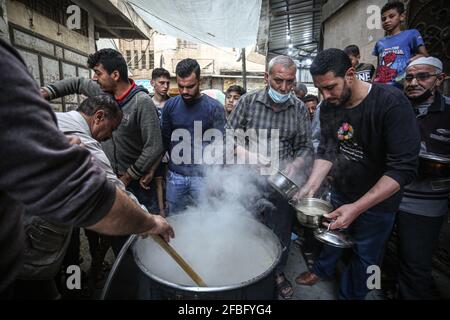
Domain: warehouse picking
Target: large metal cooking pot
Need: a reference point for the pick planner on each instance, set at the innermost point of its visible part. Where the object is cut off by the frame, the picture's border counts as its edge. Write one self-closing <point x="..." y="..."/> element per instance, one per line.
<point x="281" y="183"/>
<point x="241" y="266"/>
<point x="310" y="211"/>
<point x="434" y="166"/>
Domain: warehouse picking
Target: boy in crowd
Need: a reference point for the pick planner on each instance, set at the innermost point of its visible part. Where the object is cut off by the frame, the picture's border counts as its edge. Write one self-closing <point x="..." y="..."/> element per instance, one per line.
<point x="232" y="96"/>
<point x="155" y="179"/>
<point x="364" y="71"/>
<point x="398" y="48"/>
<point x="311" y="101"/>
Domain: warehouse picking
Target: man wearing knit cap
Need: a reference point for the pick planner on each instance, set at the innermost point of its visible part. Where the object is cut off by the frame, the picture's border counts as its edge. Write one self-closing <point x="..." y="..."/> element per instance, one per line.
<point x="425" y="202"/>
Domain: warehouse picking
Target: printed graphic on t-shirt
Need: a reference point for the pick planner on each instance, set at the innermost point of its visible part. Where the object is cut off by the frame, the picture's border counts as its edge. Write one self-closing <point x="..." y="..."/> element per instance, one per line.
<point x="347" y="145"/>
<point x="392" y="60"/>
<point x="365" y="71"/>
<point x="364" y="75"/>
<point x="393" y="54"/>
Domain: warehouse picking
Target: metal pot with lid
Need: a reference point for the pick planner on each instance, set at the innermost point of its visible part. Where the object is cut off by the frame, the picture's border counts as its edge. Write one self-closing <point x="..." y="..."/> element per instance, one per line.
<point x="310" y="213"/>
<point x="281" y="183"/>
<point x="432" y="165"/>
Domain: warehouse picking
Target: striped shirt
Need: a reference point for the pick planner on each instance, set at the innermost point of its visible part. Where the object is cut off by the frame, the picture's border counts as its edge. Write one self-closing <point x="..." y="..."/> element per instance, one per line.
<point x="291" y="119"/>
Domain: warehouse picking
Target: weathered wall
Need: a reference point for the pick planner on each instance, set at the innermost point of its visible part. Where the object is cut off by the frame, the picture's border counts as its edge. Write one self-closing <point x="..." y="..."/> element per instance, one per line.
<point x="50" y="51"/>
<point x="3" y="21"/>
<point x="19" y="15"/>
<point x="348" y="25"/>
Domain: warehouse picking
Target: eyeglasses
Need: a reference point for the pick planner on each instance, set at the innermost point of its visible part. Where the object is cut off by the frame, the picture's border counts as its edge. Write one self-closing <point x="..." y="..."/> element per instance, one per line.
<point x="422" y="76"/>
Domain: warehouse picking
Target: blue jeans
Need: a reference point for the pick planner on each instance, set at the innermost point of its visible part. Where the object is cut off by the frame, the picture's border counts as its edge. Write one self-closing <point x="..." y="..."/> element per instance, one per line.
<point x="182" y="191"/>
<point x="370" y="232"/>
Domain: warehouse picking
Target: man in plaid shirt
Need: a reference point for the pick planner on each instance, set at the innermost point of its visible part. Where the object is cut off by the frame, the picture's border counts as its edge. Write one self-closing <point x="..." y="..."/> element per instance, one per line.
<point x="285" y="117"/>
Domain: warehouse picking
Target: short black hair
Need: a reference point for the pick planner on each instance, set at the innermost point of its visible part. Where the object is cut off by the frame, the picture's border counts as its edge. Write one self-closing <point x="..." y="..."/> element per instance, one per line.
<point x="235" y="88"/>
<point x="111" y="60"/>
<point x="310" y="97"/>
<point x="105" y="102"/>
<point x="160" y="72"/>
<point x="397" y="5"/>
<point x="186" y="67"/>
<point x="334" y="60"/>
<point x="352" y="50"/>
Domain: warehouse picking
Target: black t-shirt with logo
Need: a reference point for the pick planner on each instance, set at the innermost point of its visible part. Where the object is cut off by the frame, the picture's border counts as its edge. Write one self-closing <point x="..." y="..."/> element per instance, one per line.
<point x="378" y="137"/>
<point x="365" y="72"/>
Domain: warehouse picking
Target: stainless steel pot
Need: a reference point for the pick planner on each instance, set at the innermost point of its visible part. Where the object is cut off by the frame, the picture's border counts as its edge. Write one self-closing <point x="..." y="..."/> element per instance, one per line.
<point x="310" y="211"/>
<point x="433" y="166"/>
<point x="281" y="183"/>
<point x="163" y="280"/>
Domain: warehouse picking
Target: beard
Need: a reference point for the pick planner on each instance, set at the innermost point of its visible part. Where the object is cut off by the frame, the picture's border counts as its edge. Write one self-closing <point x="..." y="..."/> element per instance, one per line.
<point x="189" y="98"/>
<point x="345" y="96"/>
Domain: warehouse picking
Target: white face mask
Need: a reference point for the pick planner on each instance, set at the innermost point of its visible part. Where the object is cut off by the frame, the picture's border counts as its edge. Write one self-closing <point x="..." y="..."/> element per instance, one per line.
<point x="278" y="97"/>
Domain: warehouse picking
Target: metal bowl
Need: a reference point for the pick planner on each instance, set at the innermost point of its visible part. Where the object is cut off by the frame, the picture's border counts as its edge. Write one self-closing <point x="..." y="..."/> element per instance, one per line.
<point x="433" y="166"/>
<point x="310" y="211"/>
<point x="281" y="183"/>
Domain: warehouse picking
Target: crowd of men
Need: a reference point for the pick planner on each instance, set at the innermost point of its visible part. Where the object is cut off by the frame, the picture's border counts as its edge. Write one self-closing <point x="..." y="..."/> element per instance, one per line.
<point x="108" y="167"/>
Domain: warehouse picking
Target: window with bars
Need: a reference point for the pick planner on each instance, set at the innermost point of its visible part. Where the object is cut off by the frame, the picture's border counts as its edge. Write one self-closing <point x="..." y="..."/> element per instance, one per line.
<point x="56" y="11"/>
<point x="136" y="59"/>
<point x="144" y="60"/>
<point x="128" y="57"/>
<point x="183" y="44"/>
<point x="151" y="59"/>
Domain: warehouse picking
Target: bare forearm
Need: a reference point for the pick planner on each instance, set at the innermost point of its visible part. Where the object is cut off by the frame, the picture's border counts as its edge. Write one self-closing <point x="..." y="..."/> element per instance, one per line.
<point x="320" y="170"/>
<point x="383" y="189"/>
<point x="125" y="217"/>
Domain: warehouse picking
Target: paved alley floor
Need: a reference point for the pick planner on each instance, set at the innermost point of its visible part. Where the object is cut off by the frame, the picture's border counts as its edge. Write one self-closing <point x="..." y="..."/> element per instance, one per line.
<point x="323" y="290"/>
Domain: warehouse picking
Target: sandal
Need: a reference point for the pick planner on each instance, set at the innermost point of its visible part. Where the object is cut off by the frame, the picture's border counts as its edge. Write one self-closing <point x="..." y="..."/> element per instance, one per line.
<point x="284" y="287"/>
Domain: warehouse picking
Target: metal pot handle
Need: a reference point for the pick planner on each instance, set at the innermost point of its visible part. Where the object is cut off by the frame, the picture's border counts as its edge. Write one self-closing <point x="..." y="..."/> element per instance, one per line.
<point x="112" y="273"/>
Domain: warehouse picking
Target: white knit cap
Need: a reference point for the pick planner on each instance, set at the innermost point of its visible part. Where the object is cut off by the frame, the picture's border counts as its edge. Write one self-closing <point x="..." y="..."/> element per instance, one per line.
<point x="431" y="61"/>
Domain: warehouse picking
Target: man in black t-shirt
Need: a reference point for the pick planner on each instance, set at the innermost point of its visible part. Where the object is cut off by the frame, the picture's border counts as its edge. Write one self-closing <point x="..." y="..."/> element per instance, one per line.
<point x="364" y="71"/>
<point x="370" y="141"/>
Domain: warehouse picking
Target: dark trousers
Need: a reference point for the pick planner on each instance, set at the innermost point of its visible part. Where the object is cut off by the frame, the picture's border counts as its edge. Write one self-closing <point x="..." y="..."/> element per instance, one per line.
<point x="126" y="280"/>
<point x="417" y="239"/>
<point x="36" y="290"/>
<point x="279" y="217"/>
<point x="369" y="232"/>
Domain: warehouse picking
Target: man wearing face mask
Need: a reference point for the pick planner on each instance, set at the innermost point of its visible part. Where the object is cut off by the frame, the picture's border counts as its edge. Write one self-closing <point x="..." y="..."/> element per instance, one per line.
<point x="276" y="108"/>
<point x="425" y="203"/>
<point x="370" y="138"/>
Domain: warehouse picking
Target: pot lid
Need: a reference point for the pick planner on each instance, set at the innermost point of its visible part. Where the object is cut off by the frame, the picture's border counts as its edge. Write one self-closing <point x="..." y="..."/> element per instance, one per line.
<point x="333" y="238"/>
<point x="435" y="157"/>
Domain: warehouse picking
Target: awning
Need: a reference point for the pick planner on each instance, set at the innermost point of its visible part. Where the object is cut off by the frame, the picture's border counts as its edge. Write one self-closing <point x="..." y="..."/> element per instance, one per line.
<point x="115" y="19"/>
<point x="292" y="28"/>
<point x="231" y="23"/>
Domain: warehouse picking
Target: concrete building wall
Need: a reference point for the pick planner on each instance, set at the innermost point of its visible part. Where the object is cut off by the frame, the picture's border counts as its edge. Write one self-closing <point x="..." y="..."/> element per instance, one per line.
<point x="168" y="51"/>
<point x="50" y="50"/>
<point x="4" y="34"/>
<point x="346" y="23"/>
<point x="145" y="57"/>
<point x="18" y="14"/>
<point x="211" y="59"/>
